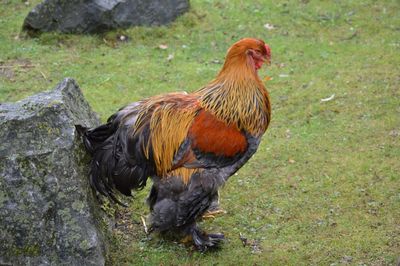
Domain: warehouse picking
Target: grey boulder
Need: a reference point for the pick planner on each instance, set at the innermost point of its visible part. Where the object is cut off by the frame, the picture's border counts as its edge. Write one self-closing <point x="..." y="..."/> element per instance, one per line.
<point x="48" y="213"/>
<point x="95" y="16"/>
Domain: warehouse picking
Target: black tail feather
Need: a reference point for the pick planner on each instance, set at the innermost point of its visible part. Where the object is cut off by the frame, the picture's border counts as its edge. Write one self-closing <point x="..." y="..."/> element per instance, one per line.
<point x="118" y="162"/>
<point x="94" y="138"/>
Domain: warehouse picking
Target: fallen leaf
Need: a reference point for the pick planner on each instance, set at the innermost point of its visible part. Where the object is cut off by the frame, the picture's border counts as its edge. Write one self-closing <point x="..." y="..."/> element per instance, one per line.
<point x="243" y="239"/>
<point x="328" y="99"/>
<point x="288" y="133"/>
<point x="269" y="26"/>
<point x="267" y="78"/>
<point x="170" y="57"/>
<point x="144" y="225"/>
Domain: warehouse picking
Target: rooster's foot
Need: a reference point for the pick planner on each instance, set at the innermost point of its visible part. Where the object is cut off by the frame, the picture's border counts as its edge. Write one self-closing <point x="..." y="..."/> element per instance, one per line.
<point x="204" y="242"/>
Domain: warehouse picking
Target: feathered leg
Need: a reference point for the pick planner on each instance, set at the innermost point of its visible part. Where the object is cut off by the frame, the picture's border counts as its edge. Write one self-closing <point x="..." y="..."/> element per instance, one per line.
<point x="176" y="206"/>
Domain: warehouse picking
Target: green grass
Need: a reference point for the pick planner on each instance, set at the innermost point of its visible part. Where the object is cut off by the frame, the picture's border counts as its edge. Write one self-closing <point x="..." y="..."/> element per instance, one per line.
<point x="324" y="187"/>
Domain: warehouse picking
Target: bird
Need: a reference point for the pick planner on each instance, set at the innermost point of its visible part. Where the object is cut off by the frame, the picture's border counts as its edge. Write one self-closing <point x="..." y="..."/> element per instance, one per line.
<point x="188" y="144"/>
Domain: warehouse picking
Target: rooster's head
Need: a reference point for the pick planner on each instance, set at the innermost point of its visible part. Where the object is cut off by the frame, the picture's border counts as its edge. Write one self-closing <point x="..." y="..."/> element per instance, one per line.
<point x="253" y="52"/>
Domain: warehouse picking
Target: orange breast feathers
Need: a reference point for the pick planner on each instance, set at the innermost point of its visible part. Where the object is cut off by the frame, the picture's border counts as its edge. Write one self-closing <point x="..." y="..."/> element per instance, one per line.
<point x="210" y="135"/>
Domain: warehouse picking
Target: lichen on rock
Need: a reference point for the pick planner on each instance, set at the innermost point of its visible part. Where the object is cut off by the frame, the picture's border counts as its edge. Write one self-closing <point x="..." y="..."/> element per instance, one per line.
<point x="48" y="214"/>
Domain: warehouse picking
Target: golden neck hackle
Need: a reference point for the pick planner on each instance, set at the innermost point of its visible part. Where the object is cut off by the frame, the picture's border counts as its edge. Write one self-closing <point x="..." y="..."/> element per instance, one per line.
<point x="237" y="96"/>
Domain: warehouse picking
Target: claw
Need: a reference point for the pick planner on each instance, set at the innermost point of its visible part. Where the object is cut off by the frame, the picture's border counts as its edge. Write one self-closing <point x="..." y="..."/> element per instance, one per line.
<point x="210" y="214"/>
<point x="218" y="211"/>
<point x="204" y="242"/>
<point x="187" y="239"/>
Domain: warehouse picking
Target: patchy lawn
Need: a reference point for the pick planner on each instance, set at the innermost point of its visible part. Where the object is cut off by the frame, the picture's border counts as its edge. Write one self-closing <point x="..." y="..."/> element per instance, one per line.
<point x="324" y="187"/>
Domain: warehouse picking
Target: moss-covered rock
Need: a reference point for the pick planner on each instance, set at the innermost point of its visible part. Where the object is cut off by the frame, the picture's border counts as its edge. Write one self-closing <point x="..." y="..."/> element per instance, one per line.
<point x="94" y="16"/>
<point x="48" y="214"/>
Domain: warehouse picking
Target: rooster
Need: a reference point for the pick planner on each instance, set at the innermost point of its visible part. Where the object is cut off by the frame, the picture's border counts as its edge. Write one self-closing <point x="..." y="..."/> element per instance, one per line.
<point x="188" y="144"/>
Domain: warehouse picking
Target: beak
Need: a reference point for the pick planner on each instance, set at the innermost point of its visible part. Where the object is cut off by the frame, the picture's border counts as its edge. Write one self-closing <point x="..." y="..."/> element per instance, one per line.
<point x="267" y="60"/>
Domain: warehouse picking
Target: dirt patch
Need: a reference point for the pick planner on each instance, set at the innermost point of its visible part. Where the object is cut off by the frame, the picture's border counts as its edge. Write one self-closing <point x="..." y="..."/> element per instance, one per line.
<point x="127" y="228"/>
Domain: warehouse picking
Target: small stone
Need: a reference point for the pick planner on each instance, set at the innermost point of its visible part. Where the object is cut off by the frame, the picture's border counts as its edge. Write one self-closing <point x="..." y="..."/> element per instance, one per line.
<point x="394" y="133"/>
<point x="346" y="259"/>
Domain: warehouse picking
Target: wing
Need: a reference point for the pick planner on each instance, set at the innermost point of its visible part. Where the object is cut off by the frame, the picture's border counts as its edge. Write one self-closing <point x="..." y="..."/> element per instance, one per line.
<point x="172" y="135"/>
<point x="138" y="141"/>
